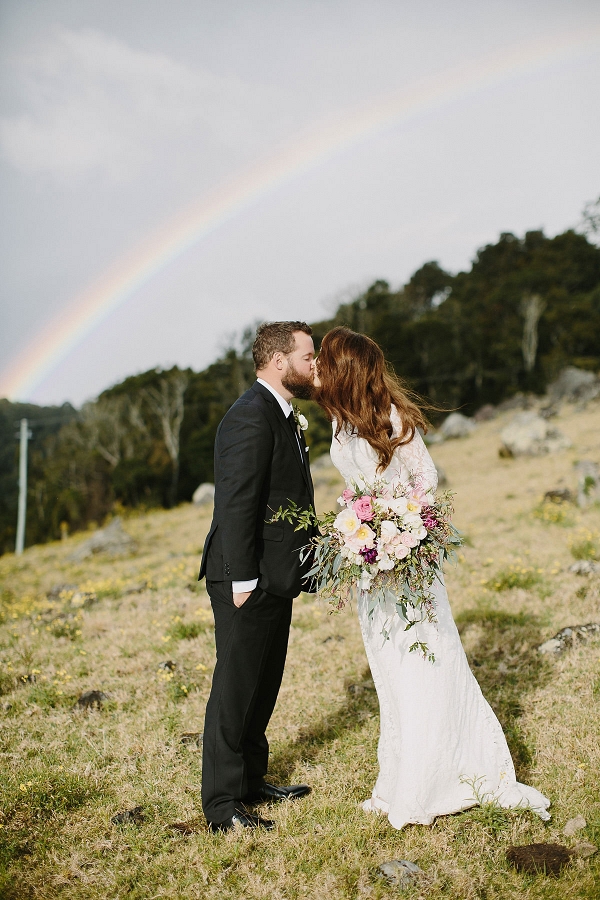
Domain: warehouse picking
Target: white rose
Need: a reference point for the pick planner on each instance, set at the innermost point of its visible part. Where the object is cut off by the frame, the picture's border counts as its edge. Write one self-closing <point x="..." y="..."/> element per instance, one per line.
<point x="302" y="422"/>
<point x="412" y="521"/>
<point x="347" y="522"/>
<point x="398" y="505"/>
<point x="421" y="532"/>
<point x="388" y="531"/>
<point x="385" y="562"/>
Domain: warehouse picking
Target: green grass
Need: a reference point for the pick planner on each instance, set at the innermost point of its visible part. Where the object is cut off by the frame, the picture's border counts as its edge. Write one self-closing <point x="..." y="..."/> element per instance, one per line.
<point x="489" y="814"/>
<point x="587" y="548"/>
<point x="48" y="696"/>
<point x="186" y="631"/>
<point x="66" y="627"/>
<point x="552" y="513"/>
<point x="34" y="802"/>
<point x="7" y="682"/>
<point x="515" y="576"/>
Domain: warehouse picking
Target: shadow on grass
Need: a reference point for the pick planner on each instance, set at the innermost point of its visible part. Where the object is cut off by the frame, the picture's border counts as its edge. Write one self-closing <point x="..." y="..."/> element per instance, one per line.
<point x="350" y="716"/>
<point x="507" y="665"/>
<point x="505" y="662"/>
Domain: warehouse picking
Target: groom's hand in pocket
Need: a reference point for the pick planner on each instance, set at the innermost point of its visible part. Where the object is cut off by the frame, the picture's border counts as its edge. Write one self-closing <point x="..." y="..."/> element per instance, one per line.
<point x="240" y="599"/>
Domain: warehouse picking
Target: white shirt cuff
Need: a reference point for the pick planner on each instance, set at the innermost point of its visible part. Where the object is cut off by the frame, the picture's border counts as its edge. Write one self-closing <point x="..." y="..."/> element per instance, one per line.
<point x="240" y="587"/>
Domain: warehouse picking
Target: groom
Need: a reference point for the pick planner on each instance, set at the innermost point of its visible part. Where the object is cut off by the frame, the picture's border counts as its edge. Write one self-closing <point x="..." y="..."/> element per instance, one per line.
<point x="253" y="572"/>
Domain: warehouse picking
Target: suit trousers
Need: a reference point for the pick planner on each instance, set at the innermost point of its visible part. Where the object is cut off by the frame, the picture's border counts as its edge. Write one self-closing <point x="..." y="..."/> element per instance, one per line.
<point x="251" y="650"/>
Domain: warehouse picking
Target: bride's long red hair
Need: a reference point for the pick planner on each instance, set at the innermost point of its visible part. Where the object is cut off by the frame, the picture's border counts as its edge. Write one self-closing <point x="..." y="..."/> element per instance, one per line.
<point x="357" y="389"/>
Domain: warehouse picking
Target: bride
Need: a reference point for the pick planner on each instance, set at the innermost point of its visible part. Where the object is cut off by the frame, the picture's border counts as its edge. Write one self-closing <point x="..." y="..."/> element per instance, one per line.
<point x="441" y="748"/>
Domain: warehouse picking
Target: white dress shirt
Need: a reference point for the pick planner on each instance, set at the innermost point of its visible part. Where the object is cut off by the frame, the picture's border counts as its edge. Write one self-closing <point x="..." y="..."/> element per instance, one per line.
<point x="240" y="587"/>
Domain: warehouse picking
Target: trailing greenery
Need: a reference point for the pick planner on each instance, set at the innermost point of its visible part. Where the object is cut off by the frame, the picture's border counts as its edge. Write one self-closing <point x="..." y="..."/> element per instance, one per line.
<point x="527" y="307"/>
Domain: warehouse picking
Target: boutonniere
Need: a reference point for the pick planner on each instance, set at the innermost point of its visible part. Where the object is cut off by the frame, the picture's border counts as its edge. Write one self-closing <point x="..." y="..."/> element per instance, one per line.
<point x="300" y="420"/>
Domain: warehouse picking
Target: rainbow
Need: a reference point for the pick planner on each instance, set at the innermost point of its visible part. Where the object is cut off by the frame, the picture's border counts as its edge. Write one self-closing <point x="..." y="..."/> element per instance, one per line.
<point x="309" y="149"/>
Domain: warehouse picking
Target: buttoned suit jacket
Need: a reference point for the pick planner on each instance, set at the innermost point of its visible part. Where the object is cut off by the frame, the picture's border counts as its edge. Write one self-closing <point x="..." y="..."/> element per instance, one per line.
<point x="258" y="469"/>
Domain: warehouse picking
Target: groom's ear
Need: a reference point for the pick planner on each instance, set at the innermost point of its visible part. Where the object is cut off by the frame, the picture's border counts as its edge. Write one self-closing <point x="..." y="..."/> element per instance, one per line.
<point x="278" y="359"/>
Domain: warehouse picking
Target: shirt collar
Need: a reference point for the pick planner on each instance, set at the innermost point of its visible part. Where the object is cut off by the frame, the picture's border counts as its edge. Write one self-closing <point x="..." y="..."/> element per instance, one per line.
<point x="286" y="407"/>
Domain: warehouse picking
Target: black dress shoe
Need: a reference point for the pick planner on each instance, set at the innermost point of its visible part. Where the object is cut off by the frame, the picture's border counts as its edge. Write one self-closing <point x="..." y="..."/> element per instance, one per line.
<point x="241" y="818"/>
<point x="271" y="793"/>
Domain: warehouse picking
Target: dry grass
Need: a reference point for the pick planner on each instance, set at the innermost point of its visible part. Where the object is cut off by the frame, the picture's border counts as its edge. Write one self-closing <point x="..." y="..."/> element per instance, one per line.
<point x="69" y="772"/>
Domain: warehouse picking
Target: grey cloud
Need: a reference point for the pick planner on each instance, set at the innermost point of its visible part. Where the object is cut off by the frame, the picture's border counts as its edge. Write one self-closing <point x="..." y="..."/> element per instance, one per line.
<point x="91" y="102"/>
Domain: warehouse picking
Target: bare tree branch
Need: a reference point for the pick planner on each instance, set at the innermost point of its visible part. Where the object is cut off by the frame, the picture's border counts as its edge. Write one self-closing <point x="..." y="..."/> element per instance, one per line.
<point x="166" y="402"/>
<point x="532" y="307"/>
<point x="591" y="217"/>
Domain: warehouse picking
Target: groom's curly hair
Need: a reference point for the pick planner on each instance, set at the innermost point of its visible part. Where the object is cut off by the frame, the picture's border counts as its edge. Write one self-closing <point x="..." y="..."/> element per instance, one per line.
<point x="275" y="336"/>
<point x="358" y="390"/>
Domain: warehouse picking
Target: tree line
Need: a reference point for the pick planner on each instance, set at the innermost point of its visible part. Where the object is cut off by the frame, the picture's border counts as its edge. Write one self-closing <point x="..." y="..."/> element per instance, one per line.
<point x="526" y="308"/>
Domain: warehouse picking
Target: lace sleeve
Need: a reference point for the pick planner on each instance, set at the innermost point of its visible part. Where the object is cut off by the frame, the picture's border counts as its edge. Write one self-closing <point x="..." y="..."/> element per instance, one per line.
<point x="416" y="458"/>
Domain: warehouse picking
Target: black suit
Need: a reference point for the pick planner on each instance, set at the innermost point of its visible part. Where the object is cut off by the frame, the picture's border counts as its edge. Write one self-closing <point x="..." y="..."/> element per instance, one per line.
<point x="258" y="468"/>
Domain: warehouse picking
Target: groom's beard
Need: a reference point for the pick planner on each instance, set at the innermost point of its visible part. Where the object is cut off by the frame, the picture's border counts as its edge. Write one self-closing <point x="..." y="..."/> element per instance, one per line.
<point x="300" y="386"/>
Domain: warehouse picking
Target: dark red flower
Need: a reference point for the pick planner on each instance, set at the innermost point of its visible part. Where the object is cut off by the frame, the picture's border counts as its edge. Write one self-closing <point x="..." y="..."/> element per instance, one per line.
<point x="369" y="555"/>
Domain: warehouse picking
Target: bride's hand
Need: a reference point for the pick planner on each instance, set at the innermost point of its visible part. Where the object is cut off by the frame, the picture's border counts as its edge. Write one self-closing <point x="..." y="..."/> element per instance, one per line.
<point x="315" y="374"/>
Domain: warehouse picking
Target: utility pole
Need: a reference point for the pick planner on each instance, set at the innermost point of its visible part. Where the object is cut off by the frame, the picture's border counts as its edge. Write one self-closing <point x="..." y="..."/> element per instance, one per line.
<point x="24" y="436"/>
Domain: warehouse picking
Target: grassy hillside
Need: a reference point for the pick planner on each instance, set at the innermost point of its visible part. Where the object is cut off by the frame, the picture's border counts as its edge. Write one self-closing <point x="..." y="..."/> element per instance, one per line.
<point x="115" y="621"/>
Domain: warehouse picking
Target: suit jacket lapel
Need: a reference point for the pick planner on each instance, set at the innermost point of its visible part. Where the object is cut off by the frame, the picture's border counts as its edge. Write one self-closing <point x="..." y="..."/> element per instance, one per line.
<point x="283" y="424"/>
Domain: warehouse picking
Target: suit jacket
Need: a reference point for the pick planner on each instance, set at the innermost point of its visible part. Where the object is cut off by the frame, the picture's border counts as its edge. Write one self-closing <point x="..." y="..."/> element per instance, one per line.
<point x="257" y="470"/>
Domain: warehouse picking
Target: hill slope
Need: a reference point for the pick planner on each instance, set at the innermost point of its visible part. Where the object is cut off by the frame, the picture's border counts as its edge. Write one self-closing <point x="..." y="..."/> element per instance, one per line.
<point x="116" y="621"/>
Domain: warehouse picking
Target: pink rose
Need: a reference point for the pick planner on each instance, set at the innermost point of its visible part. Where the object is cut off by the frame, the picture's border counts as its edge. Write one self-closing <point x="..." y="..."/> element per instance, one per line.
<point x="347" y="494"/>
<point x="363" y="507"/>
<point x="401" y="551"/>
<point x="408" y="539"/>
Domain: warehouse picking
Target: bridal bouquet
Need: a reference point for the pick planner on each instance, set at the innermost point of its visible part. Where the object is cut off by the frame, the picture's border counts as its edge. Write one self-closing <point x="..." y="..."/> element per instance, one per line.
<point x="386" y="540"/>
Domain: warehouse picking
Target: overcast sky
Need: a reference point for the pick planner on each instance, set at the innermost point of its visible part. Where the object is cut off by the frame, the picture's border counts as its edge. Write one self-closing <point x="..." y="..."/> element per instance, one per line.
<point x="117" y="115"/>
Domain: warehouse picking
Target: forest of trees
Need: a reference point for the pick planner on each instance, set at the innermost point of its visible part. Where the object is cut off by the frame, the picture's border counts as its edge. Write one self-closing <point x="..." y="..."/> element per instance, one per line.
<point x="527" y="307"/>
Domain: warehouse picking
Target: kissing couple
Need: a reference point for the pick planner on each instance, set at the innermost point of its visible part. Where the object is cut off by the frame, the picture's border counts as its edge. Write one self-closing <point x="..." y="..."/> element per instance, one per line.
<point x="441" y="748"/>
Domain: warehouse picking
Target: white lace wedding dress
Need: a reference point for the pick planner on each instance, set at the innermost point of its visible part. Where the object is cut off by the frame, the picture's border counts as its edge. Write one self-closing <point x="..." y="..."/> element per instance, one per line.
<point x="441" y="747"/>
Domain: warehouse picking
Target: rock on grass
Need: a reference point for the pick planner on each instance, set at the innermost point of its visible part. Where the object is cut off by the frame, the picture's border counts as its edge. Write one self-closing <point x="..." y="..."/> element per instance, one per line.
<point x="112" y="540"/>
<point x="400" y="872"/>
<point x="91" y="699"/>
<point x="133" y="816"/>
<point x="568" y="637"/>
